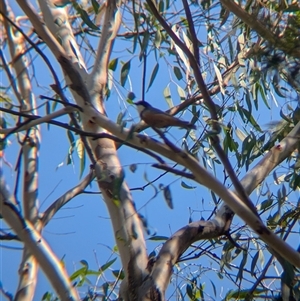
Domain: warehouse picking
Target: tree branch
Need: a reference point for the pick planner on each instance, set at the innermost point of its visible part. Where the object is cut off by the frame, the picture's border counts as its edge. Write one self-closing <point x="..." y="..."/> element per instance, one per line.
<point x="33" y="120"/>
<point x="174" y="171"/>
<point x="207" y="99"/>
<point x="66" y="197"/>
<point x="206" y="179"/>
<point x="37" y="245"/>
<point x="259" y="27"/>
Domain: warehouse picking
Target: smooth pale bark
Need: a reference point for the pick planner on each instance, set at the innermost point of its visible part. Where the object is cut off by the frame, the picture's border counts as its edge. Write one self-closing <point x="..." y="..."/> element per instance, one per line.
<point x="95" y="121"/>
<point x="127" y="226"/>
<point x="30" y="146"/>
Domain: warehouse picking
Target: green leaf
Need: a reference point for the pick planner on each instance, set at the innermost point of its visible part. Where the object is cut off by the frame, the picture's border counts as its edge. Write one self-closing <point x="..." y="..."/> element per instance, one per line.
<point x="96" y="6"/>
<point x="153" y="75"/>
<point x="3" y="142"/>
<point x="231" y="51"/>
<point x="167" y="95"/>
<point x="145" y="43"/>
<point x="48" y="111"/>
<point x="181" y="94"/>
<point x="119" y="274"/>
<point x="241" y="135"/>
<point x="265" y="204"/>
<point x="62" y="3"/>
<point x="167" y="4"/>
<point x="113" y="64"/>
<point x="253" y="263"/>
<point x="84" y="16"/>
<point x="189" y="292"/>
<point x="81" y="154"/>
<point x="215" y="199"/>
<point x="167" y="195"/>
<point x="47" y="296"/>
<point x="219" y="78"/>
<point x="117" y="186"/>
<point x="186" y="186"/>
<point x="135" y="40"/>
<point x="133" y="167"/>
<point x="107" y="265"/>
<point x="263" y="95"/>
<point x="124" y="73"/>
<point x="242" y="294"/>
<point x="242" y="265"/>
<point x="134" y="233"/>
<point x="201" y="291"/>
<point x="69" y="156"/>
<point x="80" y="272"/>
<point x="105" y="287"/>
<point x="251" y="119"/>
<point x="261" y="258"/>
<point x="292" y="8"/>
<point x="84" y="263"/>
<point x="158" y="237"/>
<point x="161" y="6"/>
<point x="71" y="138"/>
<point x="54" y="105"/>
<point x="120" y="118"/>
<point x="248" y="101"/>
<point x="177" y="73"/>
<point x="157" y="39"/>
<point x="214" y="288"/>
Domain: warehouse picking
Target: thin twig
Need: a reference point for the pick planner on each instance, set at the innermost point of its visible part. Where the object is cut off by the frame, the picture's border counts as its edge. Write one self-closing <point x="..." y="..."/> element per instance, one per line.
<point x="192" y="31"/>
<point x="144" y="150"/>
<point x="9" y="236"/>
<point x="174" y="171"/>
<point x="33" y="120"/>
<point x="10" y="77"/>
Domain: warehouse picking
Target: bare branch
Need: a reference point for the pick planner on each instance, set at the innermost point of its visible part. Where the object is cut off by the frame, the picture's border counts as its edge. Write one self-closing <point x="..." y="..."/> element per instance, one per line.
<point x="10" y="76"/>
<point x="7" y="295"/>
<point x="37" y="120"/>
<point x="9" y="236"/>
<point x="175" y="247"/>
<point x="174" y="171"/>
<point x="192" y="31"/>
<point x="65" y="198"/>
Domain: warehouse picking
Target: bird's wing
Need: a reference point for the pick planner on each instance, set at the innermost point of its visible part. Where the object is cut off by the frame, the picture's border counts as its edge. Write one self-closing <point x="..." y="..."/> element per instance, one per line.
<point x="160" y="119"/>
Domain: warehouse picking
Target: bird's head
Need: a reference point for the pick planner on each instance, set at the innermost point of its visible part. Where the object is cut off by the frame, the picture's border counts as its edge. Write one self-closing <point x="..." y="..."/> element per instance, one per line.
<point x="142" y="105"/>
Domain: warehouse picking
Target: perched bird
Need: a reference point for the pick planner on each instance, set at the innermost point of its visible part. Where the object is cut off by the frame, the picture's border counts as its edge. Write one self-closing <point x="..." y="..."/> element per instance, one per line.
<point x="159" y="119"/>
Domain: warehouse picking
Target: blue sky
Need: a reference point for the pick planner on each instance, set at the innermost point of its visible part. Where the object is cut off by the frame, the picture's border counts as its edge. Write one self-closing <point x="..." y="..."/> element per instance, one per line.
<point x="82" y="230"/>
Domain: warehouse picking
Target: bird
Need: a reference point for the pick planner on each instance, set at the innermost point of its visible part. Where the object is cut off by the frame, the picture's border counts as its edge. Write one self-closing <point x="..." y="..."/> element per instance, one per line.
<point x="159" y="119"/>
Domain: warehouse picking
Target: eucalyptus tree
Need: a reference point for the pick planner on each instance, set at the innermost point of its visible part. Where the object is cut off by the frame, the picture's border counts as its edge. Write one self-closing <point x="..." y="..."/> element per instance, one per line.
<point x="230" y="67"/>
